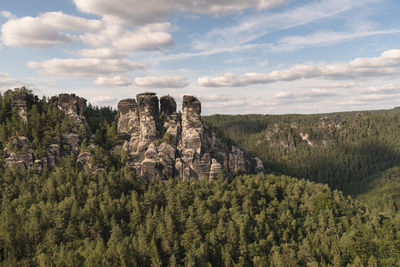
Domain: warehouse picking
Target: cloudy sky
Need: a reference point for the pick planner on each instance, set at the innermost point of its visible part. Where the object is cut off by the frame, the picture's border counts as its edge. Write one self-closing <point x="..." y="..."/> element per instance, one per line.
<point x="238" y="56"/>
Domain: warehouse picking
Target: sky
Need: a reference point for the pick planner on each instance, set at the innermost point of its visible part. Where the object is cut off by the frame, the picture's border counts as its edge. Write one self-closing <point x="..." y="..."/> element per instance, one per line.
<point x="237" y="57"/>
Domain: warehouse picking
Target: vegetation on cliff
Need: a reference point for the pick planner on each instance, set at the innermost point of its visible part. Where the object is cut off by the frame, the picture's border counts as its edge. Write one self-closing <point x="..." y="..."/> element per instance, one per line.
<point x="93" y="211"/>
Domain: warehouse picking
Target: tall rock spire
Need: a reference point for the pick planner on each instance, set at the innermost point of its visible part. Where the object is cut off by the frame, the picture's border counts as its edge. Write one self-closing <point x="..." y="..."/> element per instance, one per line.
<point x="163" y="144"/>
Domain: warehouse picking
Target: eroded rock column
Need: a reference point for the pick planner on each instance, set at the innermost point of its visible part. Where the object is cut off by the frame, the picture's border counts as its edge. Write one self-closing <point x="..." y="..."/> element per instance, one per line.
<point x="148" y="116"/>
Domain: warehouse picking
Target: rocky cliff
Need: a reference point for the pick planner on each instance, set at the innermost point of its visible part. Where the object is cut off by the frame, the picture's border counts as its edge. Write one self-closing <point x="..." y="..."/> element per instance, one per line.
<point x="324" y="133"/>
<point x="162" y="143"/>
<point x="19" y="153"/>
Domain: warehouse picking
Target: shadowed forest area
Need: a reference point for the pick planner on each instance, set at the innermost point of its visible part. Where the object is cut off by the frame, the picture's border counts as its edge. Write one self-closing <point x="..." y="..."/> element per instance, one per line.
<point x="348" y="156"/>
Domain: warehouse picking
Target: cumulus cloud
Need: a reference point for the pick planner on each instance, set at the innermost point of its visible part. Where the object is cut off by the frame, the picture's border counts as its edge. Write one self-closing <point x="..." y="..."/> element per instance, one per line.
<point x="161" y="82"/>
<point x="387" y="64"/>
<point x="84" y="67"/>
<point x="139" y="12"/>
<point x="7" y="14"/>
<point x="143" y="40"/>
<point x="146" y="37"/>
<point x="113" y="81"/>
<point x="31" y="32"/>
<point x="105" y="52"/>
<point x="63" y="21"/>
<point x="49" y="29"/>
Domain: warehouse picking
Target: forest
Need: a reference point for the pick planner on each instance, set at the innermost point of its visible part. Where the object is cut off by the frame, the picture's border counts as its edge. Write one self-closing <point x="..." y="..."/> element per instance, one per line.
<point x="332" y="203"/>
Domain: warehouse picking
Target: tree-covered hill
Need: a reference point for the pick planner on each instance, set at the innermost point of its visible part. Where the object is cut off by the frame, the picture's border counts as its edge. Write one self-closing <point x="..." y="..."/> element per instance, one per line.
<point x="86" y="206"/>
<point x="343" y="151"/>
<point x="66" y="217"/>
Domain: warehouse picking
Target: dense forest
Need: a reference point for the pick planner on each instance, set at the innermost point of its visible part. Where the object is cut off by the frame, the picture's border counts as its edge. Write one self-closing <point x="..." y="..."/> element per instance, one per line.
<point x="62" y="215"/>
<point x="346" y="156"/>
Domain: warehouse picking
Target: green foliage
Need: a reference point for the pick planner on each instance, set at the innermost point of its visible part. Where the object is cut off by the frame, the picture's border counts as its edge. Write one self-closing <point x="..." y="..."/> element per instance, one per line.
<point x="45" y="121"/>
<point x="67" y="217"/>
<point x="63" y="216"/>
<point x="362" y="147"/>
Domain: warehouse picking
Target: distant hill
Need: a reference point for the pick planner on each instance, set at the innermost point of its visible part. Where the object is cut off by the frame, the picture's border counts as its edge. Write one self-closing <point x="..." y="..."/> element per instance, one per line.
<point x="341" y="149"/>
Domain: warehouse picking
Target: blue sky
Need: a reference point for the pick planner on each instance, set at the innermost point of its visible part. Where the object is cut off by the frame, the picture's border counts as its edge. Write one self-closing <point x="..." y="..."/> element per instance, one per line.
<point x="238" y="56"/>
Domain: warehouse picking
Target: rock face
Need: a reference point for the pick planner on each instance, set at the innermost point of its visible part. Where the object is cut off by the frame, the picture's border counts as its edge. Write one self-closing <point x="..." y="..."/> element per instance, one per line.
<point x="20" y="154"/>
<point x="160" y="142"/>
<point x="73" y="106"/>
<point x="70" y="103"/>
<point x="325" y="133"/>
<point x="22" y="102"/>
<point x="163" y="144"/>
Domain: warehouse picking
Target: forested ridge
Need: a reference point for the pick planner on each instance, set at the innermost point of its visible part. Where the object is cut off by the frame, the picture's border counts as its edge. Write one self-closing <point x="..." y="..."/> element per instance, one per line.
<point x="66" y="215"/>
<point x="345" y="156"/>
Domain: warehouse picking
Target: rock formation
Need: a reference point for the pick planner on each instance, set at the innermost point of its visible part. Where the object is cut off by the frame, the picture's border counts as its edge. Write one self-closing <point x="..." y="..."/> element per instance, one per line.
<point x="70" y="103"/>
<point x="325" y="133"/>
<point x="20" y="153"/>
<point x="160" y="142"/>
<point x="73" y="106"/>
<point x="23" y="102"/>
<point x="163" y="144"/>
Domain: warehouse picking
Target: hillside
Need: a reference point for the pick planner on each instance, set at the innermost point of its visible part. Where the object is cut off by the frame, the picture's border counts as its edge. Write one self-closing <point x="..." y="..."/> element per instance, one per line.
<point x="72" y="195"/>
<point x="154" y="140"/>
<point x="344" y="150"/>
<point x="71" y="218"/>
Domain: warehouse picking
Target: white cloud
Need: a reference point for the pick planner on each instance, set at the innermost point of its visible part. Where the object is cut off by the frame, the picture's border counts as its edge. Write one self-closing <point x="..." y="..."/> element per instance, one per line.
<point x="143" y="40"/>
<point x="63" y="21"/>
<point x="104" y="52"/>
<point x="8" y="82"/>
<point x="387" y="89"/>
<point x="336" y="85"/>
<point x="104" y="100"/>
<point x="161" y="82"/>
<point x="387" y="64"/>
<point x="139" y="12"/>
<point x="374" y="96"/>
<point x="254" y="27"/>
<point x="84" y="67"/>
<point x="7" y="14"/>
<point x="312" y="95"/>
<point x="113" y="81"/>
<point x="146" y="37"/>
<point x="290" y="43"/>
<point x="45" y="30"/>
<point x="31" y="32"/>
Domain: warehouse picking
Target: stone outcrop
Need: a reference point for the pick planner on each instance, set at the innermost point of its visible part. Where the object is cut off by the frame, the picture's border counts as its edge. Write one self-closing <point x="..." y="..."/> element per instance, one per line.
<point x="23" y="102"/>
<point x="73" y="106"/>
<point x="325" y="133"/>
<point x="20" y="153"/>
<point x="326" y="122"/>
<point x="163" y="144"/>
<point x="70" y="103"/>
